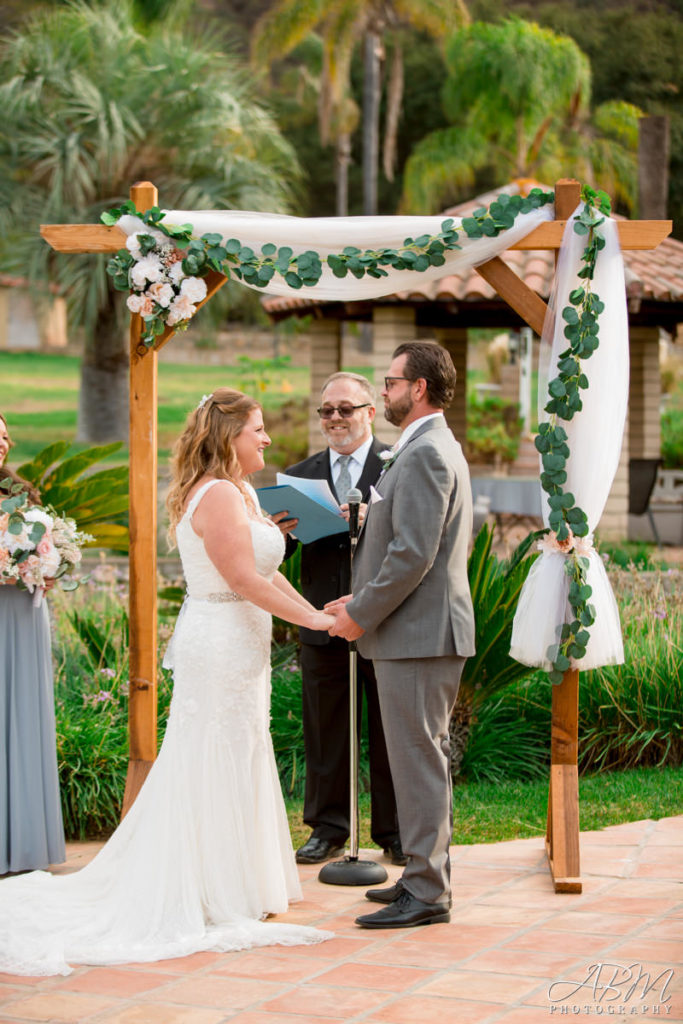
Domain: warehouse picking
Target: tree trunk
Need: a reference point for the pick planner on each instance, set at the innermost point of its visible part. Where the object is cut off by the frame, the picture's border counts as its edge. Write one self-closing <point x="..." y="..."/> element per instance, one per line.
<point x="343" y="155"/>
<point x="371" y="100"/>
<point x="103" y="399"/>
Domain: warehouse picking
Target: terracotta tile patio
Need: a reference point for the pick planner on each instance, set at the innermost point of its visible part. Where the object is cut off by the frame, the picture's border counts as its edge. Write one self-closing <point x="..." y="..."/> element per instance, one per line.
<point x="510" y="938"/>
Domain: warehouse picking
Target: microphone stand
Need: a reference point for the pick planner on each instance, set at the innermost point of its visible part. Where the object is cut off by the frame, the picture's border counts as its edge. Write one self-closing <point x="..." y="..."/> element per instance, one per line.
<point x="352" y="870"/>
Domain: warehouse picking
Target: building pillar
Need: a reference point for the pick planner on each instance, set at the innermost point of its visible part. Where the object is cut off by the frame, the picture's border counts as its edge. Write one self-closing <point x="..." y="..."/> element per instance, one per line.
<point x="454" y="340"/>
<point x="644" y="393"/>
<point x="391" y="326"/>
<point x="613" y="523"/>
<point x="324" y="335"/>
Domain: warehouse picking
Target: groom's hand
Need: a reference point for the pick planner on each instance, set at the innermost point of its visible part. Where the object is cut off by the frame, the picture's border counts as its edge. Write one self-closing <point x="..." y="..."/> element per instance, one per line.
<point x="344" y="625"/>
<point x="333" y="606"/>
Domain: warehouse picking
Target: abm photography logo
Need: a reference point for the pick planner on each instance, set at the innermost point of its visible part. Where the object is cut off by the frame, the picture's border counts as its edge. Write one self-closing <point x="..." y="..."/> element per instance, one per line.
<point x="609" y="989"/>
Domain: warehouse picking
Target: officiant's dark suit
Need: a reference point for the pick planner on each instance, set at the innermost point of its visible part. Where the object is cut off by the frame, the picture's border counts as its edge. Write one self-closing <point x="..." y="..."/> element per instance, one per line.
<point x="411" y="612"/>
<point x="325" y="575"/>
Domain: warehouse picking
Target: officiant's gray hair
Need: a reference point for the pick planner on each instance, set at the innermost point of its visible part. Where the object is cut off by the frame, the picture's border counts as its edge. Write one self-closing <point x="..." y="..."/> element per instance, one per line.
<point x="357" y="378"/>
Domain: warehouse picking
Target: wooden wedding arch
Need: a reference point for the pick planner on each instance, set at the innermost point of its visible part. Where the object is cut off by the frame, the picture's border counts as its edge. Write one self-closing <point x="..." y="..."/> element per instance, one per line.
<point x="562" y="835"/>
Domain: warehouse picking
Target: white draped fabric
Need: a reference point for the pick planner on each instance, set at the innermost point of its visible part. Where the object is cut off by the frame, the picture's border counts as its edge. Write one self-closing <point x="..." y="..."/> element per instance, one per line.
<point x="326" y="235"/>
<point x="595" y="437"/>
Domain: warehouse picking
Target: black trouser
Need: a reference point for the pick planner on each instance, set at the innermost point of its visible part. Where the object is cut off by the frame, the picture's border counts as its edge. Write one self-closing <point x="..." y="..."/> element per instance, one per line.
<point x="325" y="673"/>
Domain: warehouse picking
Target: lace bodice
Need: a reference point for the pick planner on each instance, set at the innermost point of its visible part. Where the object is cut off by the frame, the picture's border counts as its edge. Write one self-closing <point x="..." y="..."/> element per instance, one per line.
<point x="201" y="575"/>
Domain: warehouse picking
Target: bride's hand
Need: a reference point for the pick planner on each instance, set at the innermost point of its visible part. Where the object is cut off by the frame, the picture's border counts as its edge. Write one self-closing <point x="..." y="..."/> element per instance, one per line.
<point x="321" y="621"/>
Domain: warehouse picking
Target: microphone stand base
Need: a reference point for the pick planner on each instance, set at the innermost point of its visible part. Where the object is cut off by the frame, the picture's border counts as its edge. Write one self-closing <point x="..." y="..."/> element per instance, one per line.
<point x="352" y="871"/>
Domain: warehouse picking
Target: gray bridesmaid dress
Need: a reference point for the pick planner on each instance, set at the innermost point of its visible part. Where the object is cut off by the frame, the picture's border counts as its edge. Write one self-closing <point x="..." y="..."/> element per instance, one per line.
<point x="31" y="828"/>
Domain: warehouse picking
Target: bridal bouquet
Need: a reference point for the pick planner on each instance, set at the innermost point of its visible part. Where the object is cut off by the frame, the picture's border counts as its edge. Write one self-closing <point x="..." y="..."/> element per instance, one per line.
<point x="36" y="543"/>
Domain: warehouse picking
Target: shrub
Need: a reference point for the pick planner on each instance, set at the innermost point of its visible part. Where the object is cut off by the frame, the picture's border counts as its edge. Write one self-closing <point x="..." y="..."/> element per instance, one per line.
<point x="90" y="652"/>
<point x="494" y="427"/>
<point x="672" y="436"/>
<point x="629" y="715"/>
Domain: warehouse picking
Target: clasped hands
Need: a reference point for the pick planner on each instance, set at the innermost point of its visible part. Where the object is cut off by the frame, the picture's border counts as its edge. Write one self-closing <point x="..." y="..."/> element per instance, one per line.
<point x="344" y="625"/>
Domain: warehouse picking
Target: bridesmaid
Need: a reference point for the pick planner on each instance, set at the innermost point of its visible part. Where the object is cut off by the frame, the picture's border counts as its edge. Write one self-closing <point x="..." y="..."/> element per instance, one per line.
<point x="31" y="829"/>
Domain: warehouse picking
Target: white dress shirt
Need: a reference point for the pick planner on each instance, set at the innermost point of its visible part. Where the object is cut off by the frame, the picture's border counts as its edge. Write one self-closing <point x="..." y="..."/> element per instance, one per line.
<point x="412" y="427"/>
<point x="355" y="463"/>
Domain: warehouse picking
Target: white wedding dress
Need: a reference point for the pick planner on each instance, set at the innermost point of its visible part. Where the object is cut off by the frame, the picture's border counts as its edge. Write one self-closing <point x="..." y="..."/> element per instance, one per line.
<point x="204" y="854"/>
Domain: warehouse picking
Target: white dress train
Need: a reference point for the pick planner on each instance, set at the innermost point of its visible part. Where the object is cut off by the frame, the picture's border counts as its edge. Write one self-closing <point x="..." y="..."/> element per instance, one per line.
<point x="204" y="854"/>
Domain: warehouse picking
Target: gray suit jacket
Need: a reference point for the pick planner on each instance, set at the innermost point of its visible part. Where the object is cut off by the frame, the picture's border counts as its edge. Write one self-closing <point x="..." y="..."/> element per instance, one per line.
<point x="410" y="586"/>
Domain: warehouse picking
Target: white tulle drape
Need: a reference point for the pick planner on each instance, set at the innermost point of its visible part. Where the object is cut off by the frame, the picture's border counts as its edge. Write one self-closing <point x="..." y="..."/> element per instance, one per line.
<point x="326" y="235"/>
<point x="595" y="436"/>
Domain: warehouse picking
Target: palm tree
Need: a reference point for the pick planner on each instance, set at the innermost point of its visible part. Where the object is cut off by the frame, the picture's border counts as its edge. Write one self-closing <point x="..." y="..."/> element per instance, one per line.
<point x="342" y="23"/>
<point x="92" y="105"/>
<point x="518" y="97"/>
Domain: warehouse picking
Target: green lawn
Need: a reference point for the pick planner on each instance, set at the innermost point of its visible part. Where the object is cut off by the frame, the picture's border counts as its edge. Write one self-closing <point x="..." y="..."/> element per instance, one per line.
<point x="490" y="813"/>
<point x="40" y="395"/>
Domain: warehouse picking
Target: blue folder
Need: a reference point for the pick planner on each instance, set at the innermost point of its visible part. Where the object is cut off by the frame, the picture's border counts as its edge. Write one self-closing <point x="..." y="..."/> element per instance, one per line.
<point x="315" y="521"/>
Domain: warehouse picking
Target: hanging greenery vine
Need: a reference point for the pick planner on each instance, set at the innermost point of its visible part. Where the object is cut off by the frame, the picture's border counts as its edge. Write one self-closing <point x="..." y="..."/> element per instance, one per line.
<point x="567" y="521"/>
<point x="163" y="269"/>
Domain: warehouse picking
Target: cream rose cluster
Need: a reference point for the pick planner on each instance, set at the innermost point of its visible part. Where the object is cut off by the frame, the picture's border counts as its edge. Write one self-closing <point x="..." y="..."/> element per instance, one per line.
<point x="160" y="288"/>
<point x="30" y="560"/>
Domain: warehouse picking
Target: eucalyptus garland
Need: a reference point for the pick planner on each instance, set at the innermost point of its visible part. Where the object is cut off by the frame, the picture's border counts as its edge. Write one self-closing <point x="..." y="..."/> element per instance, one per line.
<point x="197" y="256"/>
<point x="566" y="519"/>
<point x="163" y="270"/>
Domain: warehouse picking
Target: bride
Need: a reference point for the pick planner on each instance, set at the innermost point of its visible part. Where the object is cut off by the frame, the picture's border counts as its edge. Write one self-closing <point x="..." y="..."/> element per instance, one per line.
<point x="204" y="854"/>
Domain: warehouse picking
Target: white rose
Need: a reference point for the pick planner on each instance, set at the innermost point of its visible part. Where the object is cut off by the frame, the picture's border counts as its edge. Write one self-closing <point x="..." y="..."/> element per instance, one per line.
<point x="16" y="541"/>
<point x="194" y="288"/>
<point x="161" y="293"/>
<point x="38" y="515"/>
<point x="135" y="303"/>
<point x="133" y="246"/>
<point x="147" y="269"/>
<point x="176" y="273"/>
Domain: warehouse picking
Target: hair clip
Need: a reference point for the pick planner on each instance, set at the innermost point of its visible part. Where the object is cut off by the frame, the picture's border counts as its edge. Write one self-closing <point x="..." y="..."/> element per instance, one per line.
<point x="205" y="399"/>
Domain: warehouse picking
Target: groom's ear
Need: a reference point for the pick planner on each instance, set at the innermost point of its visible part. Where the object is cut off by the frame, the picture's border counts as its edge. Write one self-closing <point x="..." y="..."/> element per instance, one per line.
<point x="421" y="385"/>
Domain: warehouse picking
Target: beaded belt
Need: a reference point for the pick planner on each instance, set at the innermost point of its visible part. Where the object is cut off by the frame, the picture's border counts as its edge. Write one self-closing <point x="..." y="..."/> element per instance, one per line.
<point x="219" y="598"/>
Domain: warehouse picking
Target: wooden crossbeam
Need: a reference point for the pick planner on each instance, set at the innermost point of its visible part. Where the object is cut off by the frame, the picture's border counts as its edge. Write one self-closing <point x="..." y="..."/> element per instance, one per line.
<point x="633" y="234"/>
<point x="518" y="295"/>
<point x="214" y="280"/>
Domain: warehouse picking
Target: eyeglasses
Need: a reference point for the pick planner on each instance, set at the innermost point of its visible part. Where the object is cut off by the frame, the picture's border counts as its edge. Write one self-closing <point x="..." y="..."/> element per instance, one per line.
<point x="388" y="381"/>
<point x="326" y="412"/>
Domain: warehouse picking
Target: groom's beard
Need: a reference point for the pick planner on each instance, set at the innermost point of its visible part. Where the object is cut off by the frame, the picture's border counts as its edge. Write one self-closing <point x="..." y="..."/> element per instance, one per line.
<point x="397" y="411"/>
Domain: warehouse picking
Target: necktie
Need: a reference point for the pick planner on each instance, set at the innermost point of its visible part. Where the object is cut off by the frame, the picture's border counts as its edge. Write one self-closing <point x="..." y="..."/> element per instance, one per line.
<point x="343" y="484"/>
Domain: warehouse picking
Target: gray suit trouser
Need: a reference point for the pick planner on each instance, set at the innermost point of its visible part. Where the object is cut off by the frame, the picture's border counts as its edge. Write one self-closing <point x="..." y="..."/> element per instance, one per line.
<point x="416" y="699"/>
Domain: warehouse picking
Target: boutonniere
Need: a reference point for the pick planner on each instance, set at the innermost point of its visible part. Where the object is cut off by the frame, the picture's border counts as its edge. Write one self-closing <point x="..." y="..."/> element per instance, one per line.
<point x="387" y="457"/>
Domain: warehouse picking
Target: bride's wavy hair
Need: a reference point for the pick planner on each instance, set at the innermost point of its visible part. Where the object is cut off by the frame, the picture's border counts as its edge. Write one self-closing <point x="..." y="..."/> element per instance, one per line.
<point x="206" y="448"/>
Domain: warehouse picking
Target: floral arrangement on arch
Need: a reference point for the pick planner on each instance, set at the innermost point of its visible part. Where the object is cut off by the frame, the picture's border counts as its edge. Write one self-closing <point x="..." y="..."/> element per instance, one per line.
<point x="161" y="290"/>
<point x="36" y="543"/>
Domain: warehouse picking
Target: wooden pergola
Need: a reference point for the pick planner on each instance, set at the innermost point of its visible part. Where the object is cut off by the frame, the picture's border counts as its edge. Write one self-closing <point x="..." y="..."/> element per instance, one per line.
<point x="562" y="836"/>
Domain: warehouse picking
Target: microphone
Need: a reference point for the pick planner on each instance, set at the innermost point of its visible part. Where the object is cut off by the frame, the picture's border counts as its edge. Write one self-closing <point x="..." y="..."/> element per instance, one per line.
<point x="354" y="498"/>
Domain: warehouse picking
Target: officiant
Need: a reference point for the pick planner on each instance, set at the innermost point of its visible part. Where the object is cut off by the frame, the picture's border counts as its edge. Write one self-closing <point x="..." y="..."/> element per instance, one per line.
<point x="351" y="459"/>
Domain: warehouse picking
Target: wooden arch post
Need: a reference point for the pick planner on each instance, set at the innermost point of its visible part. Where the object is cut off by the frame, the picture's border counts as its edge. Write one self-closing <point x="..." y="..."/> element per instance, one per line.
<point x="142" y="577"/>
<point x="562" y="829"/>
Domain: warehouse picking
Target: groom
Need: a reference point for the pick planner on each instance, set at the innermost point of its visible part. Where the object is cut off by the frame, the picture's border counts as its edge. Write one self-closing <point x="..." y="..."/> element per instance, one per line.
<point x="411" y="612"/>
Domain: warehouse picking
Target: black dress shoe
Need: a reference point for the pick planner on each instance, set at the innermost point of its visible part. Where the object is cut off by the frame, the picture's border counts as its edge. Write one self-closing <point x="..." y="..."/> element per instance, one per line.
<point x="391" y="892"/>
<point x="395" y="853"/>
<point x="387" y="895"/>
<point x="406" y="911"/>
<point x="316" y="850"/>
